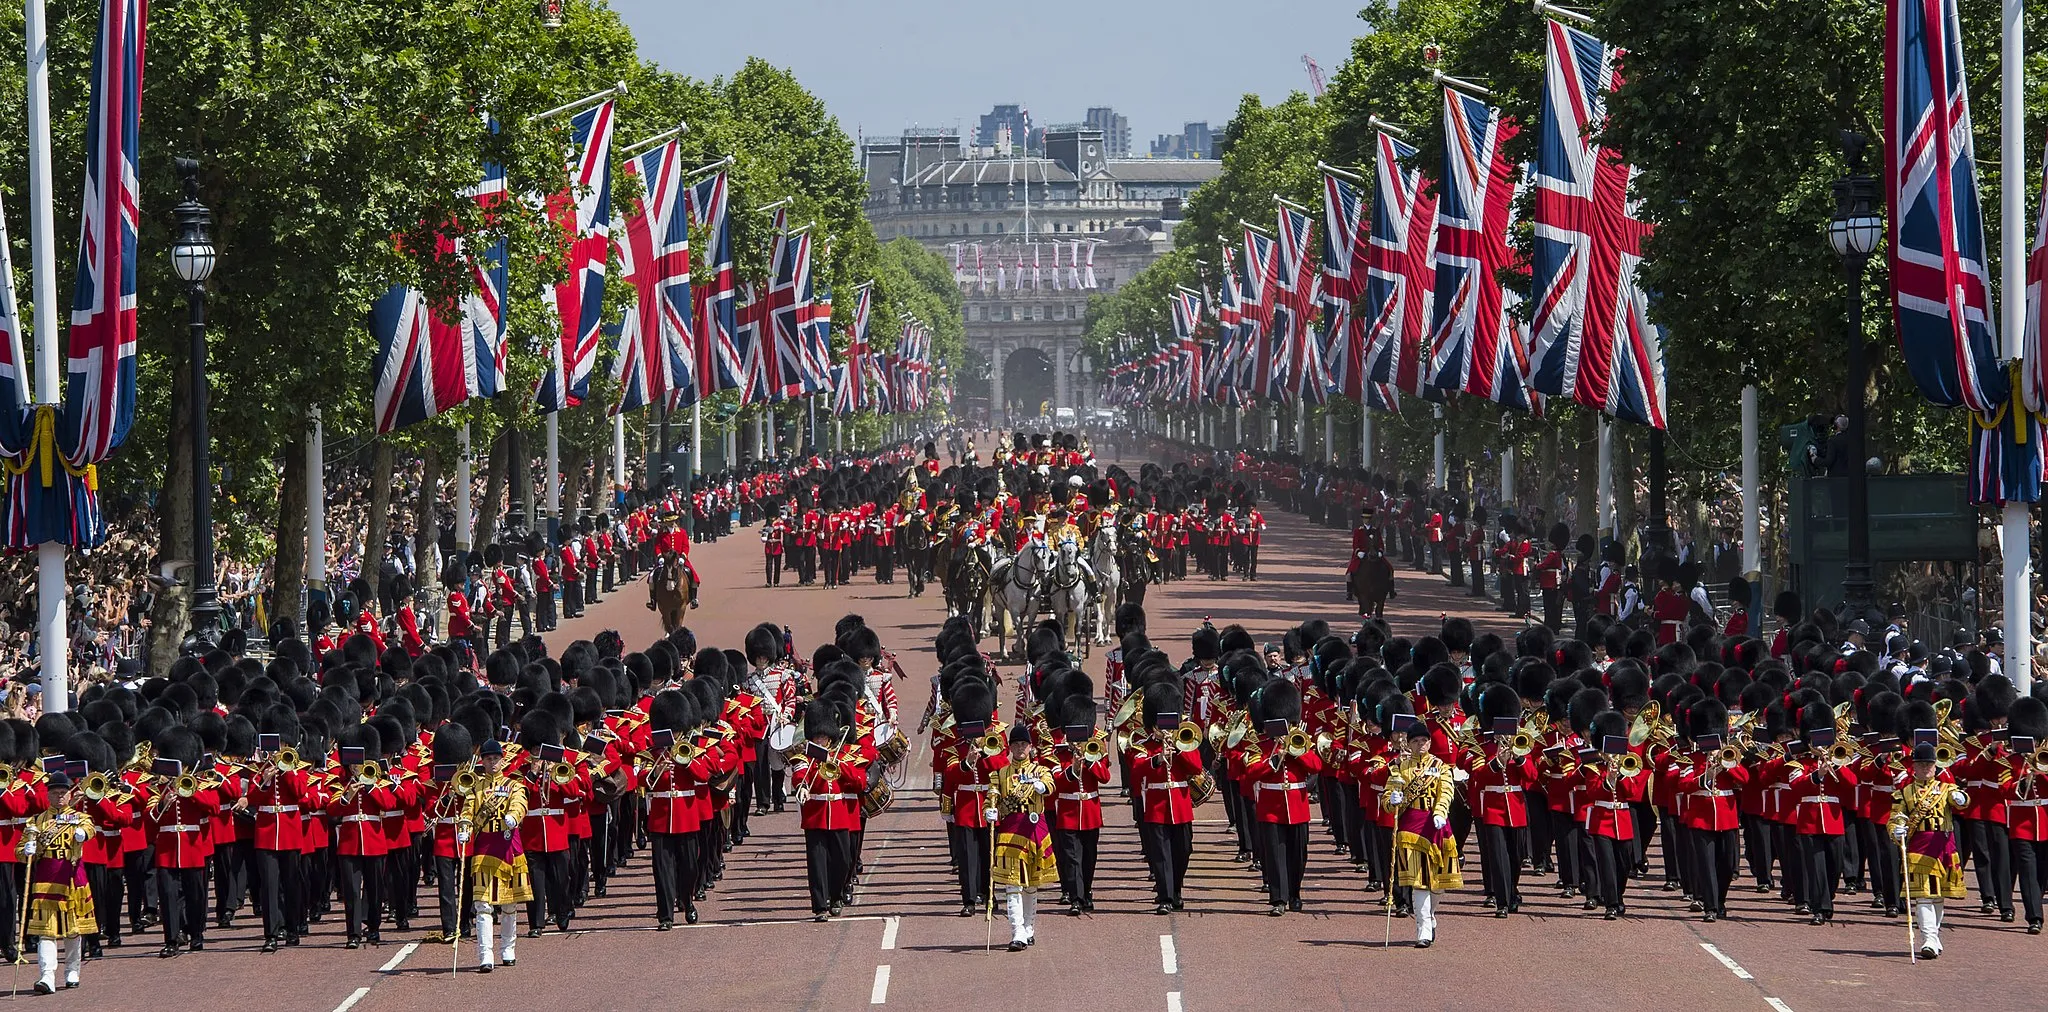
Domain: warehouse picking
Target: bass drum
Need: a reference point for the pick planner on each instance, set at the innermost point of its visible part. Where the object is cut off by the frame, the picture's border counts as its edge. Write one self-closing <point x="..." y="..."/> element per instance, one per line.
<point x="783" y="738"/>
<point x="876" y="799"/>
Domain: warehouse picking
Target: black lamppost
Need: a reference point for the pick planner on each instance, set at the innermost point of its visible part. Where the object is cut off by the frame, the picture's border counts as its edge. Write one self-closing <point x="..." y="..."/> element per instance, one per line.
<point x="1854" y="233"/>
<point x="192" y="256"/>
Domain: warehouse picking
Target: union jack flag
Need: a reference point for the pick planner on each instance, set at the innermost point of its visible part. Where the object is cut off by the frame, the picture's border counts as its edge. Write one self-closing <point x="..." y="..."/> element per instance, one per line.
<point x="657" y="348"/>
<point x="99" y="392"/>
<point x="1398" y="270"/>
<point x="583" y="211"/>
<point x="719" y="365"/>
<point x="1941" y="294"/>
<point x="1594" y="339"/>
<point x="1477" y="344"/>
<point x="1347" y="238"/>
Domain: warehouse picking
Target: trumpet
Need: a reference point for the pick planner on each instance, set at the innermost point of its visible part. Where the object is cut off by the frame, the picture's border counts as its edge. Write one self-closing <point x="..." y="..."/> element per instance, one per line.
<point x="1188" y="736"/>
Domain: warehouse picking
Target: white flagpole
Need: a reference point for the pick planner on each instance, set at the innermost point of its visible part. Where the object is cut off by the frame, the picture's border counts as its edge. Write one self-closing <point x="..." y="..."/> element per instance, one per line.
<point x="52" y="590"/>
<point x="2012" y="228"/>
<point x="465" y="511"/>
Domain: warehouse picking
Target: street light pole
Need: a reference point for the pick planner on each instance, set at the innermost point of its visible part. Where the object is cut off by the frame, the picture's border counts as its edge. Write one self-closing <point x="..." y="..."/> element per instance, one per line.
<point x="193" y="257"/>
<point x="1854" y="234"/>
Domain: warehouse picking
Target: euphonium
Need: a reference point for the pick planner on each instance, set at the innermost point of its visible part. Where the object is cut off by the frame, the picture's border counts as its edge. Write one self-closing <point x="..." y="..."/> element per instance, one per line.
<point x="1188" y="736"/>
<point x="1628" y="764"/>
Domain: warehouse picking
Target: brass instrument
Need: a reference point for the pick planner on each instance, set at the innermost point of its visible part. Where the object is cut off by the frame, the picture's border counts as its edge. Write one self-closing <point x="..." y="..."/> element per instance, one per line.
<point x="1188" y="736"/>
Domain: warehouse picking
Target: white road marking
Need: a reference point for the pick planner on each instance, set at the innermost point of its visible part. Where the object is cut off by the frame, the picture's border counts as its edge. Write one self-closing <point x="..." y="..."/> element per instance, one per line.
<point x="1173" y="1001"/>
<point x="410" y="948"/>
<point x="352" y="999"/>
<point x="1167" y="957"/>
<point x="880" y="995"/>
<point x="1733" y="966"/>
<point x="889" y="933"/>
<point x="1779" y="1005"/>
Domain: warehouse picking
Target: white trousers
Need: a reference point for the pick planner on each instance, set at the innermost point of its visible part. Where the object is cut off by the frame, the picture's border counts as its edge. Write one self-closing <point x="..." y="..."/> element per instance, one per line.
<point x="1424" y="903"/>
<point x="502" y="922"/>
<point x="46" y="956"/>
<point x="1928" y="914"/>
<point x="1023" y="907"/>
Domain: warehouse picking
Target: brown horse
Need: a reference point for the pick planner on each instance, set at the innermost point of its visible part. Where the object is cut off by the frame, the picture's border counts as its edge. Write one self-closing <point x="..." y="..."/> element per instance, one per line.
<point x="1372" y="583"/>
<point x="670" y="590"/>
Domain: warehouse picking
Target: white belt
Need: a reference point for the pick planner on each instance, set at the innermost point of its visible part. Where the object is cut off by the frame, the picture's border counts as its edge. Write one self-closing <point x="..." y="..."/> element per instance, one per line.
<point x="1614" y="805"/>
<point x="1821" y="799"/>
<point x="1501" y="789"/>
<point x="1282" y="787"/>
<point x="531" y="812"/>
<point x="1081" y="796"/>
<point x="673" y="795"/>
<point x="179" y="829"/>
<point x="1166" y="785"/>
<point x="1713" y="794"/>
<point x="276" y="809"/>
<point x="362" y="818"/>
<point x="831" y="797"/>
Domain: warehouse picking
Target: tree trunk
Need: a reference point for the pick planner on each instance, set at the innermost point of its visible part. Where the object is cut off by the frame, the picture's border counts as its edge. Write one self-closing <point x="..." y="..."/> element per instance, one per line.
<point x="172" y="613"/>
<point x="425" y="527"/>
<point x="380" y="518"/>
<point x="1589" y="472"/>
<point x="487" y="513"/>
<point x="288" y="571"/>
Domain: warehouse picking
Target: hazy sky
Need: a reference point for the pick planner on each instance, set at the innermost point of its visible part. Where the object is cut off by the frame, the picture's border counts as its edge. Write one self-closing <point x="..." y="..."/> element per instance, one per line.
<point x="881" y="65"/>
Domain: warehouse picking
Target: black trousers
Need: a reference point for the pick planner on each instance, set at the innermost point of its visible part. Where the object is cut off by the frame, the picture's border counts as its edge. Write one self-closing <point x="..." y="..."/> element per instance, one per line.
<point x="827" y="855"/>
<point x="1713" y="867"/>
<point x="2029" y="858"/>
<point x="1074" y="850"/>
<point x="973" y="844"/>
<point x="1171" y="845"/>
<point x="1820" y="859"/>
<point x="182" y="893"/>
<point x="1613" y="862"/>
<point x="549" y="870"/>
<point x="1500" y="862"/>
<point x="1756" y="848"/>
<point x="1991" y="856"/>
<point x="278" y="897"/>
<point x="362" y="893"/>
<point x="1286" y="853"/>
<point x="675" y="873"/>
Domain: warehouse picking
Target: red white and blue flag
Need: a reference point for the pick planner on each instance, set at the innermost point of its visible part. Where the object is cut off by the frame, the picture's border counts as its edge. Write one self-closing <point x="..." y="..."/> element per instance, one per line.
<point x="657" y="346"/>
<point x="1594" y="339"/>
<point x="1941" y="293"/>
<point x="719" y="364"/>
<point x="583" y="212"/>
<point x="1477" y="345"/>
<point x="1400" y="271"/>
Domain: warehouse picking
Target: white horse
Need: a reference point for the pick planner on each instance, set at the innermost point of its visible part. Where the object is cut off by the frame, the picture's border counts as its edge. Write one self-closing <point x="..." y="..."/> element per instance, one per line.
<point x="1109" y="580"/>
<point x="1070" y="597"/>
<point x="1014" y="589"/>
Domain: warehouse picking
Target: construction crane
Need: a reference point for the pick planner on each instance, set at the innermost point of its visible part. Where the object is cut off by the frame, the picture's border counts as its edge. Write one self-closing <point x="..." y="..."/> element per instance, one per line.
<point x="1315" y="73"/>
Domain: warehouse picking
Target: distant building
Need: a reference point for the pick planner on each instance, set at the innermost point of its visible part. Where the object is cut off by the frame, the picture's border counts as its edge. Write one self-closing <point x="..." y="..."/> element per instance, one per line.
<point x="1012" y="226"/>
<point x="1116" y="130"/>
<point x="1193" y="141"/>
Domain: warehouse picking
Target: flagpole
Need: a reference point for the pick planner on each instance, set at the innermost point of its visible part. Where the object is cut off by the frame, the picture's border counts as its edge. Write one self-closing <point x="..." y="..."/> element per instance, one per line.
<point x="2019" y="553"/>
<point x="52" y="622"/>
<point x="465" y="511"/>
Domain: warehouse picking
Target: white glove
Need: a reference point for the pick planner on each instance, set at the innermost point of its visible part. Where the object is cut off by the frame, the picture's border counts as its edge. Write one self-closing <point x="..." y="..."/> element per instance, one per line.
<point x="989" y="814"/>
<point x="1899" y="831"/>
<point x="1441" y="822"/>
<point x="1396" y="797"/>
